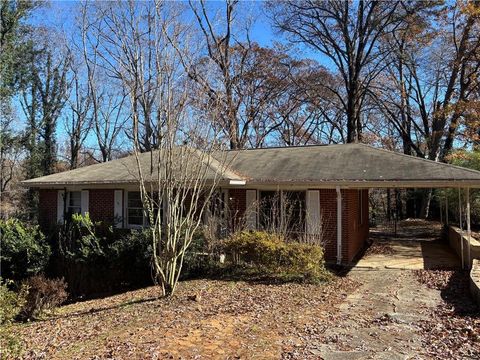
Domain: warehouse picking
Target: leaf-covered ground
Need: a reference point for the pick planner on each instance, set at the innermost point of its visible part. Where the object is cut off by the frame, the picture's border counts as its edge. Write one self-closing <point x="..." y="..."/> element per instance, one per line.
<point x="367" y="314"/>
<point x="227" y="320"/>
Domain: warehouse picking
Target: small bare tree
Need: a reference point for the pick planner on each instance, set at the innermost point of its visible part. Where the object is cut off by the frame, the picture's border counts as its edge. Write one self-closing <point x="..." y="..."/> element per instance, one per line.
<point x="178" y="166"/>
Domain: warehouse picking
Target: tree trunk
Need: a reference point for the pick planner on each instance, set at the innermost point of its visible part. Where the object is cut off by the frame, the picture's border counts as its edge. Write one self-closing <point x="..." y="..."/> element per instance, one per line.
<point x="425" y="205"/>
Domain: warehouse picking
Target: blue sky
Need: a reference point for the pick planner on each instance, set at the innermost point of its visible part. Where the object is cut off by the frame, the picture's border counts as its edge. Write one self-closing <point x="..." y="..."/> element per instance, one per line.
<point x="60" y="17"/>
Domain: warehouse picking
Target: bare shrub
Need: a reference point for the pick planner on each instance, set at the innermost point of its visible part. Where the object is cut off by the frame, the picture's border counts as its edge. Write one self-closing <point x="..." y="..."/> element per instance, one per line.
<point x="43" y="295"/>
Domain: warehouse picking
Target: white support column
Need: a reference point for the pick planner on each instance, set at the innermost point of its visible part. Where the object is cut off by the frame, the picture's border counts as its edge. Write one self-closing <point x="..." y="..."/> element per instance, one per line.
<point x="339" y="225"/>
<point x="441" y="209"/>
<point x="446" y="209"/>
<point x="469" y="230"/>
<point x="461" y="226"/>
<point x="251" y="209"/>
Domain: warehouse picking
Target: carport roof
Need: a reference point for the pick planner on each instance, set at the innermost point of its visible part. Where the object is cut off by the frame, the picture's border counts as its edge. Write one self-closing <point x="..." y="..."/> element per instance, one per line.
<point x="356" y="165"/>
<point x="347" y="165"/>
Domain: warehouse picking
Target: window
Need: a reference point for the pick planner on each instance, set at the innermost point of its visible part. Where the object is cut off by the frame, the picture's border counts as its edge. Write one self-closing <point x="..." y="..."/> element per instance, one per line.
<point x="74" y="203"/>
<point x="135" y="211"/>
<point x="294" y="211"/>
<point x="270" y="211"/>
<point x="136" y="215"/>
<point x="282" y="211"/>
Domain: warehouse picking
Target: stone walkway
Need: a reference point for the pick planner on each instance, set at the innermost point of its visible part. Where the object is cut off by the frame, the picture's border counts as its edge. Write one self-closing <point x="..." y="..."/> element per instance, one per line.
<point x="380" y="319"/>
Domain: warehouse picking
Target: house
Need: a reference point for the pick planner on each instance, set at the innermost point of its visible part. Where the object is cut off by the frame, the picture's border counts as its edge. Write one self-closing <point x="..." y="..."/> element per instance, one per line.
<point x="329" y="185"/>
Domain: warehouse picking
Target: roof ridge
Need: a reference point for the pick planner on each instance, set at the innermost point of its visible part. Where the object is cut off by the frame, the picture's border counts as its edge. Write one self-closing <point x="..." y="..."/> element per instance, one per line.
<point x="290" y="147"/>
<point x="476" y="172"/>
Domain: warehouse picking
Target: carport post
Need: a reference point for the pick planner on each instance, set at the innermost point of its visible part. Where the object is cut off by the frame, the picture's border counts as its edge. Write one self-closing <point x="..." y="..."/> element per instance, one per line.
<point x="441" y="210"/>
<point x="339" y="225"/>
<point x="461" y="226"/>
<point x="469" y="230"/>
<point x="446" y="209"/>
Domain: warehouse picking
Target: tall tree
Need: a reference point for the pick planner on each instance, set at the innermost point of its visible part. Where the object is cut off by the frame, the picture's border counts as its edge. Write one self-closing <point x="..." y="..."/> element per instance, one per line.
<point x="348" y="34"/>
<point x="14" y="48"/>
<point x="44" y="93"/>
<point x="107" y="100"/>
<point x="79" y="121"/>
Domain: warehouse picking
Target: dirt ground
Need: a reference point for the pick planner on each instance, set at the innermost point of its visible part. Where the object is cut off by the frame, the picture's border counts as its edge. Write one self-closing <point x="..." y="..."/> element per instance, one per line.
<point x="371" y="312"/>
<point x="374" y="314"/>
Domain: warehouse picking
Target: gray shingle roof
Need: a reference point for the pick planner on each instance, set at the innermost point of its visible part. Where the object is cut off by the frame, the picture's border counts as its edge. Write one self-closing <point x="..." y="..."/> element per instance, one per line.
<point x="330" y="165"/>
<point x="125" y="170"/>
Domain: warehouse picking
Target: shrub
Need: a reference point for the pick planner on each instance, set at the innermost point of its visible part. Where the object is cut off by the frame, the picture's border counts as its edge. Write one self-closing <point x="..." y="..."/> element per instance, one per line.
<point x="200" y="258"/>
<point x="11" y="303"/>
<point x="272" y="255"/>
<point x="131" y="254"/>
<point x="79" y="240"/>
<point x="43" y="294"/>
<point x="25" y="251"/>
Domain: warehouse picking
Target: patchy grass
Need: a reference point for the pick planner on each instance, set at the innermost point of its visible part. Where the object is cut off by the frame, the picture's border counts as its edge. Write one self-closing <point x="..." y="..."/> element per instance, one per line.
<point x="207" y="318"/>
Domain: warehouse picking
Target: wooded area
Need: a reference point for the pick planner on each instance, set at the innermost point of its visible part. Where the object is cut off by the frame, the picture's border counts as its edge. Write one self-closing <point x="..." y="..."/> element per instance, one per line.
<point x="399" y="75"/>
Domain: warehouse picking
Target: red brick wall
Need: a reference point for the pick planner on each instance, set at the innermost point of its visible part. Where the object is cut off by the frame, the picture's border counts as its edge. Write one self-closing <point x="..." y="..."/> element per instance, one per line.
<point x="328" y="210"/>
<point x="101" y="205"/>
<point x="47" y="208"/>
<point x="356" y="229"/>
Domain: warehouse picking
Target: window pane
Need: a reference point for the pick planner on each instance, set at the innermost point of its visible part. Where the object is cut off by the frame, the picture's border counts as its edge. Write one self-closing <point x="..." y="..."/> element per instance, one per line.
<point x="75" y="199"/>
<point x="295" y="209"/>
<point x="135" y="216"/>
<point x="134" y="199"/>
<point x="269" y="209"/>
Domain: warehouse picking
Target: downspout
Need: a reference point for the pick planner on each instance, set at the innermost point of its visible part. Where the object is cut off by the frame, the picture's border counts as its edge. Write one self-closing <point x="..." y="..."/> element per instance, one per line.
<point x="461" y="226"/>
<point x="339" y="225"/>
<point x="64" y="206"/>
<point x="446" y="210"/>
<point x="469" y="230"/>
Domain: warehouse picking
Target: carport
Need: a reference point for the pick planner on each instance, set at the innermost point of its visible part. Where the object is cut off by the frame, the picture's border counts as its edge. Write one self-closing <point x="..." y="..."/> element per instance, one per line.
<point x="415" y="245"/>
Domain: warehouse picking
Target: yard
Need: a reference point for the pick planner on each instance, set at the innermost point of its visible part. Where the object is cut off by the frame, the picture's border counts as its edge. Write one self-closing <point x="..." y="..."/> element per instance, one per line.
<point x="373" y="313"/>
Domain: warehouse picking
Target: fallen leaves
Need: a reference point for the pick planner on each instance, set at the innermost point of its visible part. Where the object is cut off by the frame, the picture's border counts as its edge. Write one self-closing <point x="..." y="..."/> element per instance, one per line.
<point x="206" y="318"/>
<point x="453" y="331"/>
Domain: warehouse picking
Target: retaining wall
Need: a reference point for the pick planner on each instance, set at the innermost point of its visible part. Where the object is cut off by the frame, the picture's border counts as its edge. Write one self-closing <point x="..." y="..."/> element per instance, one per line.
<point x="454" y="239"/>
<point x="475" y="280"/>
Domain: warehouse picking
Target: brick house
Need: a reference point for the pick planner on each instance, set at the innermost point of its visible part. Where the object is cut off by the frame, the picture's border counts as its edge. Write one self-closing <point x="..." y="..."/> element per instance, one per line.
<point x="329" y="184"/>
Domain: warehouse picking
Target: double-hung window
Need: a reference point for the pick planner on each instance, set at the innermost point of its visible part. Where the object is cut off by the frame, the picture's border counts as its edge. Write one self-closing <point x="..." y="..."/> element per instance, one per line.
<point x="135" y="213"/>
<point x="137" y="216"/>
<point x="294" y="211"/>
<point x="282" y="210"/>
<point x="74" y="203"/>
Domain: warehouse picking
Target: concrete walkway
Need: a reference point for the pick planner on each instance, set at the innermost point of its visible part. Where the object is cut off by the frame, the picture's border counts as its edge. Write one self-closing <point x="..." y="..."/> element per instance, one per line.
<point x="414" y="247"/>
<point x="380" y="319"/>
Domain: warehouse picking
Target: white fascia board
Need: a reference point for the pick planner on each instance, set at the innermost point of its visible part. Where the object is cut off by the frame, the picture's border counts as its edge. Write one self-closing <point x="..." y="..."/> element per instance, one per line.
<point x="237" y="182"/>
